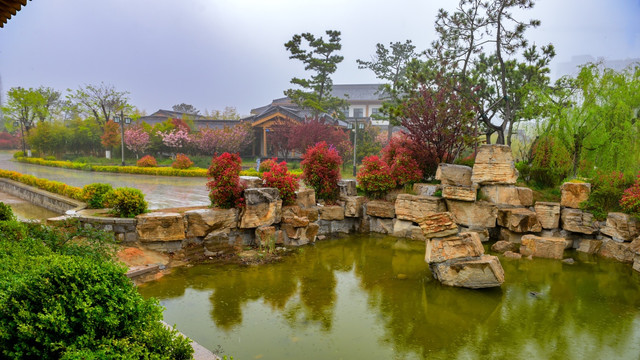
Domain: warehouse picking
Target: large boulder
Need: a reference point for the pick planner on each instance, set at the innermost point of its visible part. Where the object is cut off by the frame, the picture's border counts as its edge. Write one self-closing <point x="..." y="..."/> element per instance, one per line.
<point x="454" y="247"/>
<point x="526" y="196"/>
<point x="250" y="182"/>
<point x="306" y="198"/>
<point x="353" y="205"/>
<point x="519" y="220"/>
<point x="262" y="208"/>
<point x="501" y="194"/>
<point x="415" y="207"/>
<point x="480" y="214"/>
<point x="510" y="236"/>
<point x="454" y="175"/>
<point x="380" y="225"/>
<point x="347" y="188"/>
<point x="200" y="222"/>
<point x="160" y="226"/>
<point x="463" y="193"/>
<point x="381" y="209"/>
<point x="621" y="251"/>
<point x="574" y="193"/>
<point x="266" y="235"/>
<point x="331" y="212"/>
<point x="310" y="213"/>
<point x="502" y="245"/>
<point x="621" y="227"/>
<point x="542" y="247"/>
<point x="494" y="165"/>
<point x="426" y="189"/>
<point x="483" y="272"/>
<point x="548" y="214"/>
<point x="438" y="225"/>
<point x="407" y="229"/>
<point x="589" y="246"/>
<point x="578" y="221"/>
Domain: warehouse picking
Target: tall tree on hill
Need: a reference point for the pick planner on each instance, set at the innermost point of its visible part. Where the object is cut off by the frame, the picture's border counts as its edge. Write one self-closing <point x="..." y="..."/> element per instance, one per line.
<point x="390" y="64"/>
<point x="102" y="101"/>
<point x="320" y="58"/>
<point x="186" y="108"/>
<point x="24" y="106"/>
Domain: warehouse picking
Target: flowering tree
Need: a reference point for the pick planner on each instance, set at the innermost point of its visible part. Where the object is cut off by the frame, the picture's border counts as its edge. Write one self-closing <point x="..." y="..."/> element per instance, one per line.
<point x="228" y="139"/>
<point x="314" y="130"/>
<point x="175" y="139"/>
<point x="136" y="140"/>
<point x="111" y="135"/>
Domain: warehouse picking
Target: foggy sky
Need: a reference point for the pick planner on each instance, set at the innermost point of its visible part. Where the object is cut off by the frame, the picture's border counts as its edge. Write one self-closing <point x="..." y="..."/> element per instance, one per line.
<point x="215" y="53"/>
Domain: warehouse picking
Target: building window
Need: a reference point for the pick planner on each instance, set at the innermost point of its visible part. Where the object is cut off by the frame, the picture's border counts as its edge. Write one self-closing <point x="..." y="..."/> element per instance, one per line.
<point x="358" y="112"/>
<point x="345" y="111"/>
<point x="375" y="111"/>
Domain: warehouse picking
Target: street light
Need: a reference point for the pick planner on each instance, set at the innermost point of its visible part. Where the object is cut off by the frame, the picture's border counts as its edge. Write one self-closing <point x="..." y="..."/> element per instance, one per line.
<point x="355" y="142"/>
<point x="117" y="120"/>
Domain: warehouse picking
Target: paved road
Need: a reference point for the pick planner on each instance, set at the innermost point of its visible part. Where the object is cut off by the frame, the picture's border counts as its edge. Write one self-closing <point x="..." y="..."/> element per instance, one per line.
<point x="160" y="191"/>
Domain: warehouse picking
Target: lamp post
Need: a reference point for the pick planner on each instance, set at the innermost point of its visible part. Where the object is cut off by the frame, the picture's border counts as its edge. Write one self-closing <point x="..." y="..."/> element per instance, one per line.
<point x="118" y="119"/>
<point x="355" y="143"/>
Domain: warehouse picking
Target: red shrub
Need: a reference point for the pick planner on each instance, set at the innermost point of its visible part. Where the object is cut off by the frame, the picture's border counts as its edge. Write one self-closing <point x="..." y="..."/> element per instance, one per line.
<point x="147" y="161"/>
<point x="224" y="185"/>
<point x="8" y="141"/>
<point x="400" y="156"/>
<point x="321" y="170"/>
<point x="267" y="165"/>
<point x="182" y="162"/>
<point x="375" y="177"/>
<point x="279" y="177"/>
<point x="630" y="201"/>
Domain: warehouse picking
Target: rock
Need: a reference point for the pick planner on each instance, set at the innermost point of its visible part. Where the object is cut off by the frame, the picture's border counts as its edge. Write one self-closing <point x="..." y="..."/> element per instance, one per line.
<point x="548" y="214"/>
<point x="525" y="195"/>
<point x="415" y="207"/>
<point x="463" y="193"/>
<point x="519" y="220"/>
<point x="475" y="274"/>
<point x="250" y="182"/>
<point x="589" y="246"/>
<point x="353" y="206"/>
<point x="501" y="194"/>
<point x="381" y="209"/>
<point x="406" y="229"/>
<point x="380" y="225"/>
<point x="311" y="232"/>
<point x="426" y="189"/>
<point x="200" y="222"/>
<point x="347" y="188"/>
<point x="512" y="255"/>
<point x="569" y="261"/>
<point x="577" y="221"/>
<point x="636" y="263"/>
<point x="510" y="236"/>
<point x="621" y="227"/>
<point x="620" y="251"/>
<point x="455" y="247"/>
<point x="635" y="246"/>
<point x="295" y="221"/>
<point x="262" y="208"/>
<point x="542" y="247"/>
<point x="310" y="213"/>
<point x="306" y="198"/>
<point x="483" y="234"/>
<point x="160" y="226"/>
<point x="502" y="246"/>
<point x="455" y="175"/>
<point x="265" y="235"/>
<point x="574" y="193"/>
<point x="331" y="212"/>
<point x="438" y="225"/>
<point x="494" y="165"/>
<point x="479" y="214"/>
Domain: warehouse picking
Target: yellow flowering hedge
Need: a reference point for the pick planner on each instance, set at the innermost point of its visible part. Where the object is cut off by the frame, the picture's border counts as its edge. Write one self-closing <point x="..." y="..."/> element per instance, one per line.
<point x="44" y="184"/>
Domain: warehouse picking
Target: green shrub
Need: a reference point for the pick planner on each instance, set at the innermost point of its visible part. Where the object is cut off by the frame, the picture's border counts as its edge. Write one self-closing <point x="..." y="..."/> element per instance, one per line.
<point x="606" y="192"/>
<point x="93" y="194"/>
<point x="18" y="154"/>
<point x="551" y="162"/>
<point x="50" y="158"/>
<point x="525" y="170"/>
<point x="6" y="213"/>
<point x="126" y="202"/>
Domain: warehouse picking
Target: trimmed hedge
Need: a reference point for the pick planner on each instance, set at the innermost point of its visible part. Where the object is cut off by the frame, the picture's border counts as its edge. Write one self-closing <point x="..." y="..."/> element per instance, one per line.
<point x="44" y="184"/>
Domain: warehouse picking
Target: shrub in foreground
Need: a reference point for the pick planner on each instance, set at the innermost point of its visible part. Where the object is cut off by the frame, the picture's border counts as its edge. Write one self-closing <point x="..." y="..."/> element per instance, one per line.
<point x="267" y="165"/>
<point x="94" y="194"/>
<point x="147" y="161"/>
<point x="607" y="189"/>
<point x="630" y="201"/>
<point x="279" y="177"/>
<point x="6" y="213"/>
<point x="321" y="170"/>
<point x="224" y="181"/>
<point x="182" y="162"/>
<point x="374" y="178"/>
<point x="126" y="202"/>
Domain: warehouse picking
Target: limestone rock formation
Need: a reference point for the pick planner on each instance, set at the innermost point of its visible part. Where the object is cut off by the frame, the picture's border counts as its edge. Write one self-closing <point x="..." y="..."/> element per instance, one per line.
<point x="306" y="198"/>
<point x="621" y="251"/>
<point x="494" y="165"/>
<point x="331" y="212"/>
<point x="526" y="196"/>
<point x="501" y="194"/>
<point x="463" y="193"/>
<point x="426" y="189"/>
<point x="621" y="227"/>
<point x="407" y="229"/>
<point x="200" y="222"/>
<point x="589" y="246"/>
<point x="353" y="205"/>
<point x="482" y="272"/>
<point x="438" y="225"/>
<point x="382" y="209"/>
<point x="578" y="221"/>
<point x="542" y="247"/>
<point x="548" y="214"/>
<point x="265" y="235"/>
<point x="502" y="245"/>
<point x="574" y="193"/>
<point x="473" y="214"/>
<point x="160" y="226"/>
<point x="250" y="182"/>
<point x="454" y="175"/>
<point x="519" y="220"/>
<point x="454" y="247"/>
<point x="347" y="188"/>
<point x="263" y="207"/>
<point x="415" y="207"/>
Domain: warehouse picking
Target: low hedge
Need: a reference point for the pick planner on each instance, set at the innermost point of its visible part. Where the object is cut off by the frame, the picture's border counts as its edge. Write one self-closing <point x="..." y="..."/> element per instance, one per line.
<point x="44" y="184"/>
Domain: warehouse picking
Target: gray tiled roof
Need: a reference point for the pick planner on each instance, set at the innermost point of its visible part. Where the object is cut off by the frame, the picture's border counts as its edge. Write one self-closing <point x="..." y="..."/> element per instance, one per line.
<point x="358" y="92"/>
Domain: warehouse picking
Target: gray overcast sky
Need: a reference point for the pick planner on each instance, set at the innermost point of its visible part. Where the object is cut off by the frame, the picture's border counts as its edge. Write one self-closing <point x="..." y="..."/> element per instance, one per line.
<point x="217" y="53"/>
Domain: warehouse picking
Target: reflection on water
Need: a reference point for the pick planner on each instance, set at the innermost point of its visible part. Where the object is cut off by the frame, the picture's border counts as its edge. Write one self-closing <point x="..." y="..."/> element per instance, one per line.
<point x="160" y="191"/>
<point x="25" y="210"/>
<point x="374" y="298"/>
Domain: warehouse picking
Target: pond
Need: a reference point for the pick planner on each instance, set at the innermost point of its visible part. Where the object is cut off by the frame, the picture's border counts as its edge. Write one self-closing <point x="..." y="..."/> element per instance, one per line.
<point x="25" y="210"/>
<point x="374" y="297"/>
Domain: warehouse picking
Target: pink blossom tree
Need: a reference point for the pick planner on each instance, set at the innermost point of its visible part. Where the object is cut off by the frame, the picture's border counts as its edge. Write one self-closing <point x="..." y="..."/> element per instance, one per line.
<point x="175" y="139"/>
<point x="227" y="139"/>
<point x="136" y="140"/>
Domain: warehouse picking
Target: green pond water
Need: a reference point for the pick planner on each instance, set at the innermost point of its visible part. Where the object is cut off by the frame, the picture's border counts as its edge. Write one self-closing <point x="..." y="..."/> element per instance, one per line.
<point x="366" y="297"/>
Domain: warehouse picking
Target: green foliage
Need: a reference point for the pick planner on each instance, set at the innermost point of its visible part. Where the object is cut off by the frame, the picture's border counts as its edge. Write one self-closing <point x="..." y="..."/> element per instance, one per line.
<point x="126" y="202"/>
<point x="607" y="189"/>
<point x="551" y="162"/>
<point x="630" y="201"/>
<point x="94" y="194"/>
<point x="44" y="184"/>
<point x="524" y="169"/>
<point x="6" y="213"/>
<point x="18" y="154"/>
<point x="59" y="302"/>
